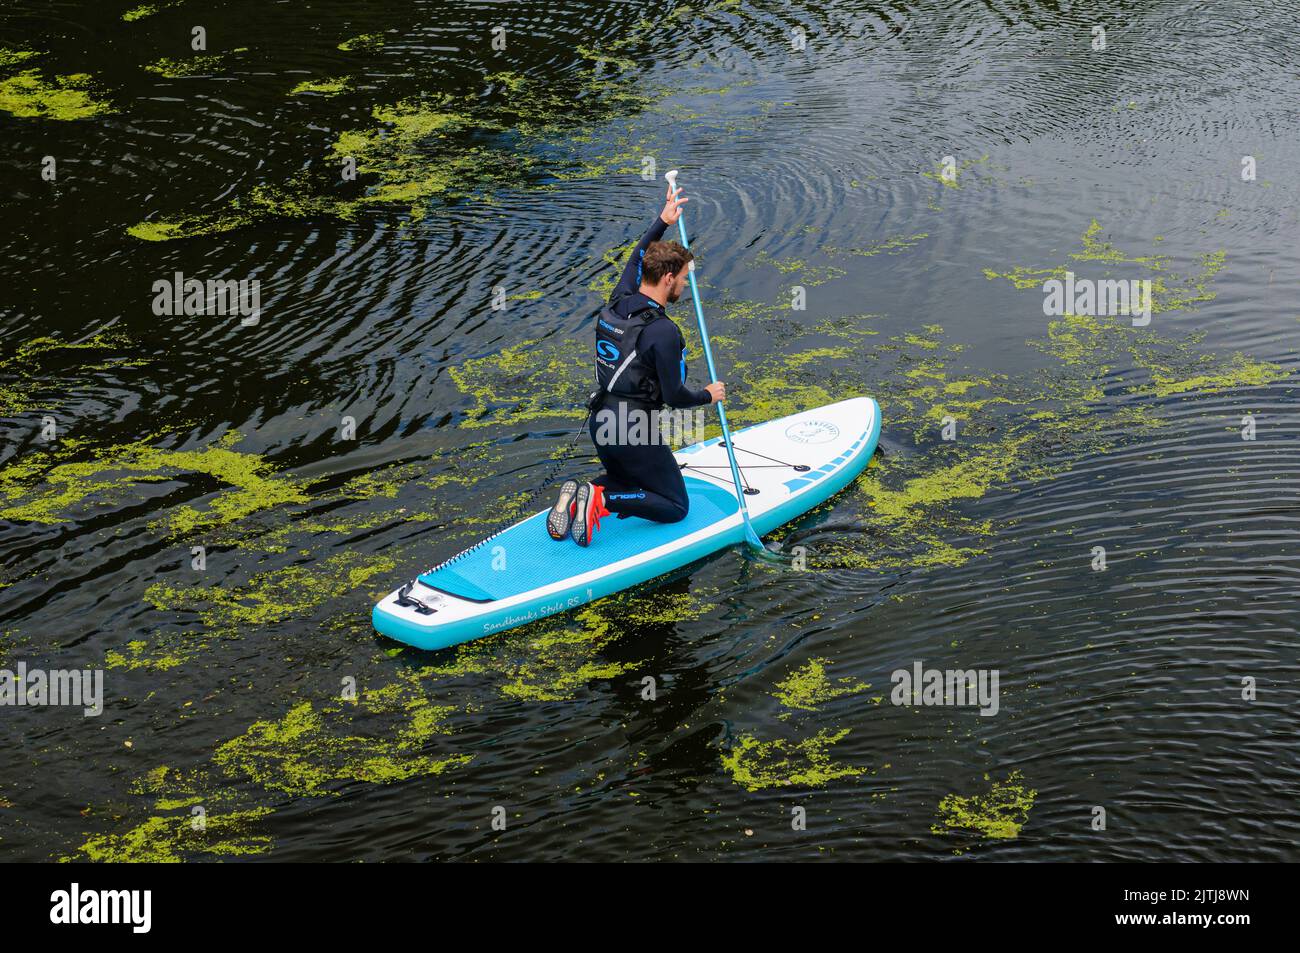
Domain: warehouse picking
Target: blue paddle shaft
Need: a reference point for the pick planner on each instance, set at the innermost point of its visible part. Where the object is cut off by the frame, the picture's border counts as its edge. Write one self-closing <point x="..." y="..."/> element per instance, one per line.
<point x="750" y="536"/>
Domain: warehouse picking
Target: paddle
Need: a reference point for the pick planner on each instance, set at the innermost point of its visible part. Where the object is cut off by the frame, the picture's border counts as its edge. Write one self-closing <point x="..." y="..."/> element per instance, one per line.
<point x="751" y="537"/>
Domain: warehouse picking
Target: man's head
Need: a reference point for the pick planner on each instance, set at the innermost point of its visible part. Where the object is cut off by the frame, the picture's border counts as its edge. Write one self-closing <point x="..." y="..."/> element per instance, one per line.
<point x="664" y="269"/>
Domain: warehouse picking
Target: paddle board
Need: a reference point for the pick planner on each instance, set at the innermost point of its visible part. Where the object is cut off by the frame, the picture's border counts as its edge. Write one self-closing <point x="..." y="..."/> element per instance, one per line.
<point x="788" y="466"/>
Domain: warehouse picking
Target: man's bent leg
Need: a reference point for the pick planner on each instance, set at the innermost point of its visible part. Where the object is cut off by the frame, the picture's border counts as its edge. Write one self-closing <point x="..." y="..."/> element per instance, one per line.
<point x="643" y="481"/>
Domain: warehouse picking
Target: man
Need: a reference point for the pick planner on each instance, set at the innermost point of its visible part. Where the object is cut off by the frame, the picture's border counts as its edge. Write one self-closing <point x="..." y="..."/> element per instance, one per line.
<point x="640" y="366"/>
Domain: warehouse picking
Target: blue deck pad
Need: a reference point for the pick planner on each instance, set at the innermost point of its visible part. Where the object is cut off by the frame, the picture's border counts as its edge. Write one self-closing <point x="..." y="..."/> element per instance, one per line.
<point x="525" y="557"/>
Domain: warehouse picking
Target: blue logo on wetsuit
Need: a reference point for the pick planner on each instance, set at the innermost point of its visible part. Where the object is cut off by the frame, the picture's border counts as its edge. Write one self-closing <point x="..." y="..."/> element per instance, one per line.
<point x="607" y="350"/>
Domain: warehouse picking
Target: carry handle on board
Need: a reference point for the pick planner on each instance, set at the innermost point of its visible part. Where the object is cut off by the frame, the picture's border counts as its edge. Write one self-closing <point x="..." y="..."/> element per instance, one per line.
<point x="750" y="536"/>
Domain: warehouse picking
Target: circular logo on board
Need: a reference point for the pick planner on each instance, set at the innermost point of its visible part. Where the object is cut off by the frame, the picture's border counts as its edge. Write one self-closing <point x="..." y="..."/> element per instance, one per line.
<point x="812" y="431"/>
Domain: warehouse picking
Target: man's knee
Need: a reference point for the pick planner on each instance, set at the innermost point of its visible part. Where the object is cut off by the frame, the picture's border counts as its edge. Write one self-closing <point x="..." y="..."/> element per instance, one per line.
<point x="678" y="512"/>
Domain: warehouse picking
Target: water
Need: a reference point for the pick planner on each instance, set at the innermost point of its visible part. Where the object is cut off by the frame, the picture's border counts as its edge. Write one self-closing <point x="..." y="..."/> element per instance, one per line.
<point x="228" y="691"/>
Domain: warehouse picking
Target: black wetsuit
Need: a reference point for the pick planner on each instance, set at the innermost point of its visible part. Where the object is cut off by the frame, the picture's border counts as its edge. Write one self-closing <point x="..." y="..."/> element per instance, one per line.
<point x="643" y="479"/>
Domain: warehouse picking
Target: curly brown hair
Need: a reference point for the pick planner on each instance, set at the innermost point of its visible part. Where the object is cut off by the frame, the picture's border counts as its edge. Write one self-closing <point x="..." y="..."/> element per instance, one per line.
<point x="663" y="258"/>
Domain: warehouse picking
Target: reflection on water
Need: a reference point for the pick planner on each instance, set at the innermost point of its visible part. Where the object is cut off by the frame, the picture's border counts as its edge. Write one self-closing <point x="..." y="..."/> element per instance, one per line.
<point x="432" y="200"/>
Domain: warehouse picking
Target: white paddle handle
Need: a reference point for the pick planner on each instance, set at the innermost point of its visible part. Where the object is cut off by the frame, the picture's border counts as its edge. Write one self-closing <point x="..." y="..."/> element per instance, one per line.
<point x="671" y="176"/>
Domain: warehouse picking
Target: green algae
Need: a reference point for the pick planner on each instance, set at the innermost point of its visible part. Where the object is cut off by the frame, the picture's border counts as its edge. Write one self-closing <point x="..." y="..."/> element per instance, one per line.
<point x="531" y="380"/>
<point x="140" y="655"/>
<point x="1023" y="278"/>
<point x="310" y="750"/>
<point x="410" y="158"/>
<point x="1169" y="291"/>
<point x="889" y="246"/>
<point x="274" y="595"/>
<point x="522" y="133"/>
<point x="205" y="65"/>
<point x="298" y="756"/>
<point x="366" y="42"/>
<point x="227" y="611"/>
<point x="800" y="272"/>
<point x="32" y="367"/>
<point x="1240" y="372"/>
<point x="14" y="57"/>
<point x="38" y="489"/>
<point x="262" y="202"/>
<point x="322" y="87"/>
<point x="602" y="58"/>
<point x="173" y="789"/>
<point x="810" y="687"/>
<point x="383" y="736"/>
<point x="785" y="384"/>
<point x="922" y="499"/>
<point x="970" y="476"/>
<point x="29" y="95"/>
<point x="955" y="181"/>
<point x="161" y="231"/>
<point x="1183" y="294"/>
<point x="1094" y="250"/>
<point x="998" y="814"/>
<point x="148" y="10"/>
<point x="173" y="838"/>
<point x="606" y="279"/>
<point x="461" y="467"/>
<point x="757" y="765"/>
<point x="397" y="154"/>
<point x="554" y="659"/>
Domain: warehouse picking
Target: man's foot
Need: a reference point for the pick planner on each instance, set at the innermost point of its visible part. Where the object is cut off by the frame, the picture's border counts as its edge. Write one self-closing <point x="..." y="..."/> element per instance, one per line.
<point x="560" y="518"/>
<point x="590" y="507"/>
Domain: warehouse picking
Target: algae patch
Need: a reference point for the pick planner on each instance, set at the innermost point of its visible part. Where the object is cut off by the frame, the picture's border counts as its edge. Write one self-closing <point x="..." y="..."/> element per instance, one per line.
<point x="14" y="57"/>
<point x="310" y="750"/>
<point x="756" y="764"/>
<point x="532" y="380"/>
<point x="553" y="659"/>
<point x="366" y="42"/>
<point x="519" y="132"/>
<point x="172" y="838"/>
<point x="998" y="814"/>
<point x="41" y="489"/>
<point x="889" y="246"/>
<point x="29" y="95"/>
<point x="810" y="687"/>
<point x="953" y="181"/>
<point x="148" y="10"/>
<point x="205" y="65"/>
<point x="227" y="611"/>
<point x="322" y="87"/>
<point x="35" y="364"/>
<point x="383" y="736"/>
<point x="1170" y="291"/>
<point x="1240" y="371"/>
<point x="272" y="596"/>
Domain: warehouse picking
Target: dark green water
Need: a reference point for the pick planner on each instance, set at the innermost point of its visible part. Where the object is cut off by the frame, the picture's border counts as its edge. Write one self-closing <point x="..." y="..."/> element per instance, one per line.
<point x="228" y="689"/>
